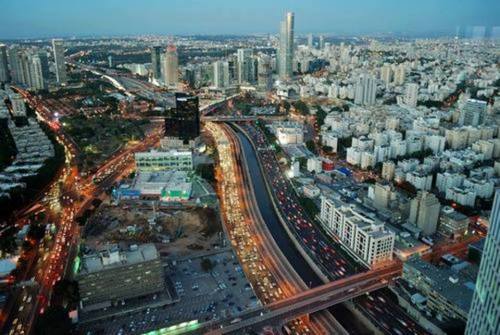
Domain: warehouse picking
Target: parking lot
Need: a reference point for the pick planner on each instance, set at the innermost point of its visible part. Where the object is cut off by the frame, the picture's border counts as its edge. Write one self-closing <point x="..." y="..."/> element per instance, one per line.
<point x="203" y="295"/>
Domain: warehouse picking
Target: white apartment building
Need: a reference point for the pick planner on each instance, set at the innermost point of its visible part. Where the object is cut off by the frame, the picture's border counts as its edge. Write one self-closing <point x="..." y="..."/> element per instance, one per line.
<point x="461" y="195"/>
<point x="367" y="239"/>
<point x="446" y="180"/>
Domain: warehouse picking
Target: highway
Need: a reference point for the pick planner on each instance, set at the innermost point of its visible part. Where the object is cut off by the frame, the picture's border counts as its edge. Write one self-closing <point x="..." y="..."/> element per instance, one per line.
<point x="327" y="253"/>
<point x="288" y="279"/>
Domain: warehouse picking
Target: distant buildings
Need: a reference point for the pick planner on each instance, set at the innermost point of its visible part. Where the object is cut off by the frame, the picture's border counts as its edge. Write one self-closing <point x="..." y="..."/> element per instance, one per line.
<point x="60" y="66"/>
<point x="27" y="68"/>
<point x="112" y="275"/>
<point x="286" y="48"/>
<point x="171" y="67"/>
<point x="424" y="212"/>
<point x="484" y="315"/>
<point x="183" y="121"/>
<point x="411" y="96"/>
<point x="367" y="238"/>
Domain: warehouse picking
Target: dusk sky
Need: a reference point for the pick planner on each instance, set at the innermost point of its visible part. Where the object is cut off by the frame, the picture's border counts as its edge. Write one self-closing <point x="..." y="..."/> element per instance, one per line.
<point x="49" y="18"/>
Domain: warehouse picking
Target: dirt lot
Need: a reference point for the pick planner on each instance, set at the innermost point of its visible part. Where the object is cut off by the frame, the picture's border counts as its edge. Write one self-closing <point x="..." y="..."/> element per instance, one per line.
<point x="176" y="232"/>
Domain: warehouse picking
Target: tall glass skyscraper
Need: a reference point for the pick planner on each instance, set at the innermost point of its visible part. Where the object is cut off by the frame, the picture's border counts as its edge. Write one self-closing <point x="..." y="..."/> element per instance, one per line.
<point x="58" y="48"/>
<point x="285" y="54"/>
<point x="4" y="69"/>
<point x="156" y="61"/>
<point x="484" y="314"/>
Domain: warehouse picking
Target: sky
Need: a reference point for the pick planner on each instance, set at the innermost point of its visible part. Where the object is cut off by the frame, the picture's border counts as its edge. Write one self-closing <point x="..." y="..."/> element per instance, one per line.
<point x="66" y="18"/>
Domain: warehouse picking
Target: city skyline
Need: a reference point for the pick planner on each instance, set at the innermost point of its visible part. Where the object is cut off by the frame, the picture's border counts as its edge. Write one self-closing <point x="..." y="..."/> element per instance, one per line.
<point x="222" y="17"/>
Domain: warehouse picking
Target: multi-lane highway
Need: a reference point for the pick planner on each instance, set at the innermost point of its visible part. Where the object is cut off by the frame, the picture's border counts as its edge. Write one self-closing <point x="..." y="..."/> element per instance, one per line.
<point x="327" y="253"/>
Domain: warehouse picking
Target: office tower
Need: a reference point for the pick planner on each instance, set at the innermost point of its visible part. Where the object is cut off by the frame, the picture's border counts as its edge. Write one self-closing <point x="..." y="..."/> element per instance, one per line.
<point x="321" y="42"/>
<point x="386" y="74"/>
<point x="411" y="95"/>
<point x="58" y="49"/>
<point x="264" y="73"/>
<point x="245" y="66"/>
<point x="171" y="69"/>
<point x="44" y="60"/>
<point x="399" y="74"/>
<point x="484" y="314"/>
<point x="4" y="67"/>
<point x="156" y="62"/>
<point x="472" y="113"/>
<point x="285" y="69"/>
<point x="110" y="61"/>
<point x="366" y="90"/>
<point x="424" y="212"/>
<point x="310" y="41"/>
<point x="221" y="74"/>
<point x="183" y="121"/>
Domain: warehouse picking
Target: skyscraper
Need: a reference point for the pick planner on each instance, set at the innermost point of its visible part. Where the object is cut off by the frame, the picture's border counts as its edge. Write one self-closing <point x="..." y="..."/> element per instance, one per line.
<point x="310" y="41"/>
<point x="4" y="68"/>
<point x="424" y="212"/>
<point x="45" y="63"/>
<point x="484" y="314"/>
<point x="156" y="62"/>
<point x="58" y="49"/>
<point x="221" y="74"/>
<point x="321" y="42"/>
<point x="36" y="79"/>
<point x="286" y="48"/>
<point x="245" y="66"/>
<point x="264" y="73"/>
<point x="171" y="69"/>
<point x="366" y="90"/>
<point x="15" y="60"/>
<point x="183" y="121"/>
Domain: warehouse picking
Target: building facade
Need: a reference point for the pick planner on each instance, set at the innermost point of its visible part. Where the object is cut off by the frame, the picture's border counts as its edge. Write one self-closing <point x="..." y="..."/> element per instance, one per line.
<point x="60" y="65"/>
<point x="286" y="48"/>
<point x="484" y="314"/>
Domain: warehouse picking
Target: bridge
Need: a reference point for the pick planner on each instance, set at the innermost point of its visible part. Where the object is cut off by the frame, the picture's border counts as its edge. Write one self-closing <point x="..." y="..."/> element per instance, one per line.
<point x="313" y="300"/>
<point x="236" y="118"/>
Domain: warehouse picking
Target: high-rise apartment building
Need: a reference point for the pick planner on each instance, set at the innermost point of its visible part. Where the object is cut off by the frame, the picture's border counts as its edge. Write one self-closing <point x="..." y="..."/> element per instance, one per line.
<point x="472" y="113"/>
<point x="4" y="65"/>
<point x="221" y="74"/>
<point x="245" y="66"/>
<point x="411" y="94"/>
<point x="484" y="314"/>
<point x="58" y="50"/>
<point x="171" y="67"/>
<point x="156" y="62"/>
<point x="424" y="212"/>
<point x="386" y="74"/>
<point x="286" y="49"/>
<point x="400" y="74"/>
<point x="183" y="121"/>
<point x="366" y="90"/>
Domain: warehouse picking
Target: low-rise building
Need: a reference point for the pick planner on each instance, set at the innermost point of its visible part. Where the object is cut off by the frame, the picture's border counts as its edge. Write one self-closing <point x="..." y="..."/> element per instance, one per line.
<point x="164" y="160"/>
<point x="111" y="275"/>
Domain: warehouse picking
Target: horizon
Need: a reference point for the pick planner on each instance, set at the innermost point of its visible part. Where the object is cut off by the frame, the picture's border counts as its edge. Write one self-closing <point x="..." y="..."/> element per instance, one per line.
<point x="55" y="18"/>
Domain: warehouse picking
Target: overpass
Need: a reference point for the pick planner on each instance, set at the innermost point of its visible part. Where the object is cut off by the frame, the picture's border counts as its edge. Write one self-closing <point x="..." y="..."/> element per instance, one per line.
<point x="236" y="118"/>
<point x="313" y="300"/>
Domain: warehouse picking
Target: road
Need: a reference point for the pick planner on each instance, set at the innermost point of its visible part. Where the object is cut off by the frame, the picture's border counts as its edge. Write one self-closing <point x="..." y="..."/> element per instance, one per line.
<point x="327" y="253"/>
